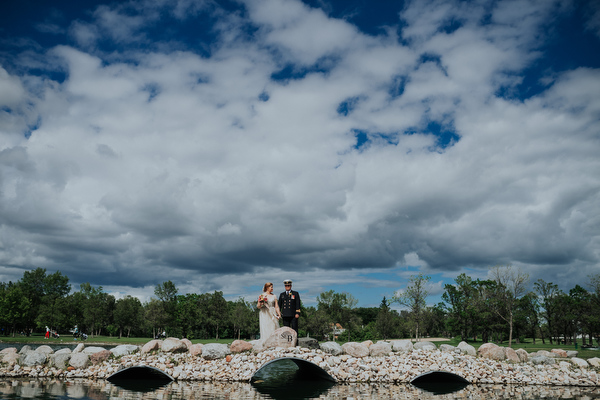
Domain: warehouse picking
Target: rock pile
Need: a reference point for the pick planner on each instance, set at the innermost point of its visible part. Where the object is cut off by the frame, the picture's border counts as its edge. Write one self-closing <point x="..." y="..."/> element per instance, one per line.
<point x="392" y="362"/>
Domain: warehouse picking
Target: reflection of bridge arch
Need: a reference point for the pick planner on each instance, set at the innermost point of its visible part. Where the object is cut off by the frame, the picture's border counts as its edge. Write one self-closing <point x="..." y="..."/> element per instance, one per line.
<point x="306" y="369"/>
<point x="439" y="382"/>
<point x="140" y="372"/>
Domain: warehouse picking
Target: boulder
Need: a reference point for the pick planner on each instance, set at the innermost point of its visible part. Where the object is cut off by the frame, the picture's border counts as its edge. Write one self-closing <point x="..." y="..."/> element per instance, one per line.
<point x="187" y="342"/>
<point x="522" y="354"/>
<point x="572" y="353"/>
<point x="491" y="351"/>
<point x="548" y="354"/>
<point x="354" y="349"/>
<point x="66" y="350"/>
<point x="380" y="349"/>
<point x="368" y="343"/>
<point x="196" y="349"/>
<point x="580" y="362"/>
<point x="594" y="362"/>
<point x="32" y="358"/>
<point x="559" y="352"/>
<point x="511" y="355"/>
<point x="308" y="342"/>
<point x="446" y="348"/>
<point x="124" y="349"/>
<point x="542" y="360"/>
<point x="424" y="345"/>
<point x="93" y="349"/>
<point x="238" y="346"/>
<point x="8" y="350"/>
<point x="152" y="346"/>
<point x="10" y="358"/>
<point x="100" y="356"/>
<point x="79" y="348"/>
<point x="283" y="337"/>
<point x="466" y="348"/>
<point x="213" y="351"/>
<point x="60" y="360"/>
<point x="173" y="345"/>
<point x="79" y="360"/>
<point x="45" y="349"/>
<point x="332" y="348"/>
<point x="25" y="349"/>
<point x="402" y="346"/>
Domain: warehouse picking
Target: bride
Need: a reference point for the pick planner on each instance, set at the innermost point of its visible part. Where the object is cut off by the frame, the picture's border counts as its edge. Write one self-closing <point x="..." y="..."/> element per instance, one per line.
<point x="269" y="312"/>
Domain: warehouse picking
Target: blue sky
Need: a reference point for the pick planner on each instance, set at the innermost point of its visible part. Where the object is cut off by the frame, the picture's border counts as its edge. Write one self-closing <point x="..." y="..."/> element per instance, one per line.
<point x="346" y="145"/>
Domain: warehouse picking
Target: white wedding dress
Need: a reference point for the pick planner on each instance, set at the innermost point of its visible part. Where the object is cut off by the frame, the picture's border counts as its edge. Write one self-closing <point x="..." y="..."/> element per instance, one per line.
<point x="267" y="318"/>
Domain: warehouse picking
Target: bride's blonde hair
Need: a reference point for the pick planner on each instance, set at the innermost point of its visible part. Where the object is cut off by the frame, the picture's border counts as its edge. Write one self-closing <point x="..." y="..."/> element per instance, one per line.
<point x="267" y="285"/>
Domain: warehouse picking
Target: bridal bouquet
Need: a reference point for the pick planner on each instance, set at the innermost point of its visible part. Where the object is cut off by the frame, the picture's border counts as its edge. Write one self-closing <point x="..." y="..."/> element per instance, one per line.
<point x="262" y="301"/>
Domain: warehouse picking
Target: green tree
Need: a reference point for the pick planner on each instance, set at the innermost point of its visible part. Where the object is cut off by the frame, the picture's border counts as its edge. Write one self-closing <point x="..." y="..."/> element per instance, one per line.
<point x="166" y="292"/>
<point x="512" y="284"/>
<point x="14" y="306"/>
<point x="244" y="317"/>
<point x="415" y="298"/>
<point x="549" y="294"/>
<point x="50" y="313"/>
<point x="386" y="323"/>
<point x="128" y="314"/>
<point x="339" y="308"/>
<point x="155" y="316"/>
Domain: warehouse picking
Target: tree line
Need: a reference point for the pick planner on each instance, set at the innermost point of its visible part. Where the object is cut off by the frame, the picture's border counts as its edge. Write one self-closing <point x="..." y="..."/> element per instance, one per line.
<point x="498" y="309"/>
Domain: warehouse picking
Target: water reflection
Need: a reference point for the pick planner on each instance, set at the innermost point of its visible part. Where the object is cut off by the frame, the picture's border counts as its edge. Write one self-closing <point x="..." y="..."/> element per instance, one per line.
<point x="82" y="389"/>
<point x="284" y="380"/>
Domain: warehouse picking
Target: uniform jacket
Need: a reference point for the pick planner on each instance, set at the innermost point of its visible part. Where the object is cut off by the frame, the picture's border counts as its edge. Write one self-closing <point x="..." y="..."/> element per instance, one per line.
<point x="289" y="305"/>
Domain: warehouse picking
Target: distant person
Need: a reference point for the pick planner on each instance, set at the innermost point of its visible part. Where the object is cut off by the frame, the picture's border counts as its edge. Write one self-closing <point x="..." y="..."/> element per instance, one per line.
<point x="289" y="304"/>
<point x="47" y="336"/>
<point x="269" y="314"/>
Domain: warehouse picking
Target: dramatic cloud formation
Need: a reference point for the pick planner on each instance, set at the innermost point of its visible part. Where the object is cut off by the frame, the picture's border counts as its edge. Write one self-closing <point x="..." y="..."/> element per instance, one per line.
<point x="223" y="144"/>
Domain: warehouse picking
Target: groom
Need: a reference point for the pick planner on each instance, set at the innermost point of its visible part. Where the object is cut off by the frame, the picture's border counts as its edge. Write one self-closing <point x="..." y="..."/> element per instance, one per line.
<point x="289" y="305"/>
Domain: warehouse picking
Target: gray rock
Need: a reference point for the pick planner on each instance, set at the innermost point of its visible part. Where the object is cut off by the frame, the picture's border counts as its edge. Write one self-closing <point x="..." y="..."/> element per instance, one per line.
<point x="580" y="362"/>
<point x="542" y="360"/>
<point x="310" y="343"/>
<point x="403" y="346"/>
<point x="124" y="349"/>
<point x="79" y="360"/>
<point x="466" y="348"/>
<point x="380" y="349"/>
<point x="25" y="349"/>
<point x="572" y="353"/>
<point x="10" y="358"/>
<point x="332" y="348"/>
<point x="45" y="349"/>
<point x="354" y="349"/>
<point x="522" y="354"/>
<point x="446" y="348"/>
<point x="511" y="354"/>
<point x="594" y="362"/>
<point x="213" y="351"/>
<point x="424" y="345"/>
<point x="92" y="350"/>
<point x="66" y="350"/>
<point x="152" y="346"/>
<point x="174" y="345"/>
<point x="60" y="360"/>
<point x="79" y="348"/>
<point x="33" y="358"/>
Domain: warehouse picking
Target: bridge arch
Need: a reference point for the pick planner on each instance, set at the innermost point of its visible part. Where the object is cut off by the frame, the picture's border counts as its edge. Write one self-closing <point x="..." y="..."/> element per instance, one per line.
<point x="307" y="370"/>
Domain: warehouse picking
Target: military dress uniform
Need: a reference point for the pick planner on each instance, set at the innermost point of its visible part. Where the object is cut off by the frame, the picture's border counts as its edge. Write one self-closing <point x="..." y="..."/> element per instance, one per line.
<point x="289" y="305"/>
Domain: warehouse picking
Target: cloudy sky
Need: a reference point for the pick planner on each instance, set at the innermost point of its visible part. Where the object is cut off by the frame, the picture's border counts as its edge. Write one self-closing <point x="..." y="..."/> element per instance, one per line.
<point x="346" y="145"/>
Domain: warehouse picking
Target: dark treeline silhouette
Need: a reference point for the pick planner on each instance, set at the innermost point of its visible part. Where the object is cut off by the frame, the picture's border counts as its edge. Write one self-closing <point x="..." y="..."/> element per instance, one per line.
<point x="489" y="310"/>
